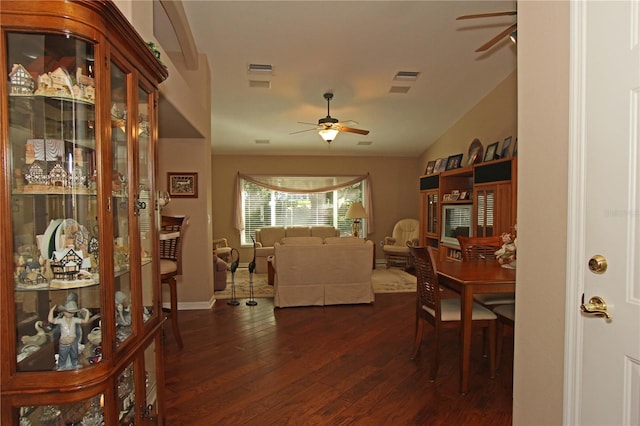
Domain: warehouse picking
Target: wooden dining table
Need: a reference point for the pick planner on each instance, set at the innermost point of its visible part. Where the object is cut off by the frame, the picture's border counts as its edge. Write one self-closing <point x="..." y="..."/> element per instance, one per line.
<point x="467" y="279"/>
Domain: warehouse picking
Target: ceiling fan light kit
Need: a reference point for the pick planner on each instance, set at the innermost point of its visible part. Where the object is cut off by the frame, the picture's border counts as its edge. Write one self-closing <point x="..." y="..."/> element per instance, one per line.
<point x="329" y="127"/>
<point x="328" y="134"/>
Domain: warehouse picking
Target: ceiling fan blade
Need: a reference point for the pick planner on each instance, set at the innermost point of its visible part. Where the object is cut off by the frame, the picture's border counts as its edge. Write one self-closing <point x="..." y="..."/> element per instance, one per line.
<point x="352" y="130"/>
<point x="487" y="15"/>
<point x="304" y="122"/>
<point x="497" y="38"/>
<point x="302" y="131"/>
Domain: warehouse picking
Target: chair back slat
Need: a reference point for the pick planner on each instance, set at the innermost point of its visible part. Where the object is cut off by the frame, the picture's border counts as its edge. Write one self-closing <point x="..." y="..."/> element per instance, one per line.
<point x="479" y="248"/>
<point x="171" y="249"/>
<point x="427" y="278"/>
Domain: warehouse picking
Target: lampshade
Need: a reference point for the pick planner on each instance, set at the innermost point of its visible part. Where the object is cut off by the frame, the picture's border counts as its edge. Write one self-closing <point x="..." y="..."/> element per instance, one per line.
<point x="328" y="134"/>
<point x="356" y="211"/>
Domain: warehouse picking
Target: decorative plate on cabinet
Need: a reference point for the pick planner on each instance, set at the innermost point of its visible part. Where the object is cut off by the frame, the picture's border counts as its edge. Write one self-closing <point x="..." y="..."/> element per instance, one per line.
<point x="48" y="245"/>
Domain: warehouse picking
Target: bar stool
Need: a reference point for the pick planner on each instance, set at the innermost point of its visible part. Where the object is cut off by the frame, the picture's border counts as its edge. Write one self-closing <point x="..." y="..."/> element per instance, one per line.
<point x="171" y="238"/>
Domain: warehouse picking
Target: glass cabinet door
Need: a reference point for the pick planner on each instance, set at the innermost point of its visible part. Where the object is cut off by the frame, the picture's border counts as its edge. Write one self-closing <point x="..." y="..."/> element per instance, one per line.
<point x="432" y="213"/>
<point x="150" y="413"/>
<point x="485" y="205"/>
<point x="89" y="412"/>
<point x="144" y="206"/>
<point x="54" y="216"/>
<point x="120" y="202"/>
<point x="126" y="396"/>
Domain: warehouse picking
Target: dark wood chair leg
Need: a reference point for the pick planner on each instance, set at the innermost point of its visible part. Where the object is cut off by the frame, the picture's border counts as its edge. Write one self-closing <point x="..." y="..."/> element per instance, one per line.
<point x="173" y="292"/>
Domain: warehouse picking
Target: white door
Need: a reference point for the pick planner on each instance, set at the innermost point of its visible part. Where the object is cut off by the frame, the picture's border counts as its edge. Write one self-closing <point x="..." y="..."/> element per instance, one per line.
<point x="602" y="361"/>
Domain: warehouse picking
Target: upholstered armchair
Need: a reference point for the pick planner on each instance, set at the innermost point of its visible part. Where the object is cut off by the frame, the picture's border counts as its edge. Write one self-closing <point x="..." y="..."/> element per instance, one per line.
<point x="396" y="252"/>
<point x="221" y="249"/>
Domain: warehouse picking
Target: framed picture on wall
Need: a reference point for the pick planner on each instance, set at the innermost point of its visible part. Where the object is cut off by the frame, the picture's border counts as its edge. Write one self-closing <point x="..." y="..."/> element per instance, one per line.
<point x="491" y="151"/>
<point x="515" y="148"/>
<point x="183" y="184"/>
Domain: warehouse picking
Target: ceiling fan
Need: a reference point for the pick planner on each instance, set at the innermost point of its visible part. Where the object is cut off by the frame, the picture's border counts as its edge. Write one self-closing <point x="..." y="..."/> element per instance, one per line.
<point x="329" y="127"/>
<point x="511" y="30"/>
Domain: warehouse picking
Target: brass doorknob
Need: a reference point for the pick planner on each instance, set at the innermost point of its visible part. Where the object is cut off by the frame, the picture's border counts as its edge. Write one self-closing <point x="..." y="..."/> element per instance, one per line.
<point x="596" y="306"/>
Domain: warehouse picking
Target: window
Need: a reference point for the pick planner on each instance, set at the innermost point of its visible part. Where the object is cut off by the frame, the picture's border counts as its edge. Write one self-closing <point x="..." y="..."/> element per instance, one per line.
<point x="264" y="202"/>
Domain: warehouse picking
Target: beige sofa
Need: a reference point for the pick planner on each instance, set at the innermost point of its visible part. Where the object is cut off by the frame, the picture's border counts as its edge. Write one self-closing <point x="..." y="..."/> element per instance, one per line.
<point x="269" y="235"/>
<point x="311" y="271"/>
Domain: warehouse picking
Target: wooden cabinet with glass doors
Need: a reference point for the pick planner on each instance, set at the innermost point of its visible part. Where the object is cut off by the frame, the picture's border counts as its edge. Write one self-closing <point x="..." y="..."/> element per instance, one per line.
<point x="478" y="200"/>
<point x="495" y="197"/>
<point x="429" y="211"/>
<point x="80" y="308"/>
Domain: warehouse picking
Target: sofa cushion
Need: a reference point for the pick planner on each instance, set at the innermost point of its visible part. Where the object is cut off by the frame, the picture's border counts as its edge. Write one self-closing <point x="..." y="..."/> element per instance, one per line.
<point x="344" y="240"/>
<point x="269" y="235"/>
<point x="306" y="241"/>
<point x="324" y="231"/>
<point x="297" y="231"/>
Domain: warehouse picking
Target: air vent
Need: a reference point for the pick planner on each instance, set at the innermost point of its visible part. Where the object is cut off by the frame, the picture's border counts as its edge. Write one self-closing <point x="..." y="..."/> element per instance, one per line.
<point x="260" y="84"/>
<point x="406" y="75"/>
<point x="263" y="141"/>
<point x="399" y="89"/>
<point x="365" y="143"/>
<point x="260" y="69"/>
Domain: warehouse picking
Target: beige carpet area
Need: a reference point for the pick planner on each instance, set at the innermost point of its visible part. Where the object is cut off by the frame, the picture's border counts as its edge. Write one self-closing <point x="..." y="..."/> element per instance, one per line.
<point x="384" y="280"/>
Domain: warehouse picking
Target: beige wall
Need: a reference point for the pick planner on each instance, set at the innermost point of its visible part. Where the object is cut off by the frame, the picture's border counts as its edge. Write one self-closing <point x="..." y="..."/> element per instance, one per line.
<point x="394" y="182"/>
<point x="493" y="119"/>
<point x="543" y="121"/>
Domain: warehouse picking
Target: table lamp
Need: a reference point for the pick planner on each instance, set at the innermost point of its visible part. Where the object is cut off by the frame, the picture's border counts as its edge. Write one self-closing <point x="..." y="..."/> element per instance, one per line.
<point x="356" y="212"/>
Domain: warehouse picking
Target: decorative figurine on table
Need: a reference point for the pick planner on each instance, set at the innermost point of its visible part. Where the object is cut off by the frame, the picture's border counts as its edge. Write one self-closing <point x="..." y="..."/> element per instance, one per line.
<point x="234" y="266"/>
<point x="70" y="332"/>
<point x="123" y="309"/>
<point x="252" y="267"/>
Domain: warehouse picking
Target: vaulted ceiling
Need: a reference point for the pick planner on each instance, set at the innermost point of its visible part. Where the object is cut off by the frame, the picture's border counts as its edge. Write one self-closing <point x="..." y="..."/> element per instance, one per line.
<point x="353" y="49"/>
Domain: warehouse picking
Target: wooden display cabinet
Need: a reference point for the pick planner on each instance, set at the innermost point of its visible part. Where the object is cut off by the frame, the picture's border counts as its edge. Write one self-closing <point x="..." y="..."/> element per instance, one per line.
<point x="495" y="197"/>
<point x="456" y="187"/>
<point x="80" y="307"/>
<point x="486" y="193"/>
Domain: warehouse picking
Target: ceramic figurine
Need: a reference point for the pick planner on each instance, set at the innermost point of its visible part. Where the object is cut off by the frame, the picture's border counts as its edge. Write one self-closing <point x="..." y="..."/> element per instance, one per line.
<point x="123" y="309"/>
<point x="39" y="339"/>
<point x="70" y="333"/>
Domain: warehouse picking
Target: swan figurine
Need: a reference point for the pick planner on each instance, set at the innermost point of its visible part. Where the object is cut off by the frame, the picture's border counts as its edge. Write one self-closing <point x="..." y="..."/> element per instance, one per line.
<point x="39" y="339"/>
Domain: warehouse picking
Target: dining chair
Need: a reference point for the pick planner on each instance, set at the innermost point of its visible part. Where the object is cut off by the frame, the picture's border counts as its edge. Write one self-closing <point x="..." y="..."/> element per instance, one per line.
<point x="171" y="265"/>
<point x="506" y="316"/>
<point x="478" y="249"/>
<point x="442" y="313"/>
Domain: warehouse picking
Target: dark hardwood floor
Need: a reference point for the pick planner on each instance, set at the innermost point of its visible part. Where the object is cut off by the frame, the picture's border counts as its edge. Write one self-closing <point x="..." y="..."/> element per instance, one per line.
<point x="333" y="365"/>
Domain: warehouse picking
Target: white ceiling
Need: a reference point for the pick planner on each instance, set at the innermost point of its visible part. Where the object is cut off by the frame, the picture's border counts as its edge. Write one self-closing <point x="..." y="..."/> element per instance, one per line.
<point x="353" y="49"/>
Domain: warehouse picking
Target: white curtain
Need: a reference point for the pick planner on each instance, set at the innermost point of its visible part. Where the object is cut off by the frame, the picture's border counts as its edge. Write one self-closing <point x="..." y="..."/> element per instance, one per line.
<point x="303" y="185"/>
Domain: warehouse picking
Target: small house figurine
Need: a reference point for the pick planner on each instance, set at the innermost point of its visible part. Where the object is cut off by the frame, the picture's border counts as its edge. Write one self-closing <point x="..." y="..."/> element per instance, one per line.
<point x="61" y="82"/>
<point x="36" y="175"/>
<point x="66" y="263"/>
<point x="21" y="81"/>
<point x="44" y="84"/>
<point x="58" y="176"/>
